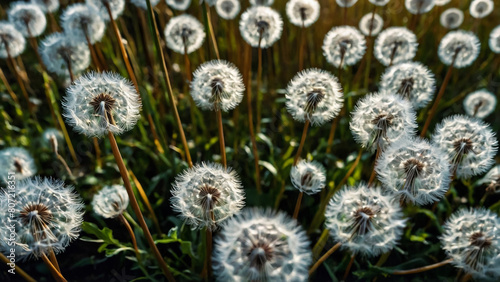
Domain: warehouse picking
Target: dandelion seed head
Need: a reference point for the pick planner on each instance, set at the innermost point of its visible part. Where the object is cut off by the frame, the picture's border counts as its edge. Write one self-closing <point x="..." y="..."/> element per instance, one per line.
<point x="492" y="179"/>
<point x="143" y="4"/>
<point x="452" y="18"/>
<point x="469" y="143"/>
<point x="364" y="220"/>
<point x="17" y="160"/>
<point x="344" y="45"/>
<point x="308" y="177"/>
<point x="379" y="3"/>
<point x="459" y="48"/>
<point x="261" y="245"/>
<point x="314" y="95"/>
<point x="184" y="33"/>
<point x="47" y="6"/>
<point x="116" y="7"/>
<point x="442" y="2"/>
<point x="261" y="2"/>
<point x="302" y="13"/>
<point x="418" y="7"/>
<point x="346" y="3"/>
<point x="27" y="18"/>
<point x="179" y="5"/>
<point x="83" y="20"/>
<point x="52" y="137"/>
<point x="397" y="43"/>
<point x="369" y="26"/>
<point x="481" y="8"/>
<point x="480" y="103"/>
<point x="261" y="26"/>
<point x="494" y="41"/>
<point x="110" y="201"/>
<point x="12" y="42"/>
<point x="227" y="9"/>
<point x="60" y="50"/>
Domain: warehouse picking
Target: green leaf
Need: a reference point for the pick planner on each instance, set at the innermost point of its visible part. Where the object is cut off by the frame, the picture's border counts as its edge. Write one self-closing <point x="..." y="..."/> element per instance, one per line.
<point x="104" y="234"/>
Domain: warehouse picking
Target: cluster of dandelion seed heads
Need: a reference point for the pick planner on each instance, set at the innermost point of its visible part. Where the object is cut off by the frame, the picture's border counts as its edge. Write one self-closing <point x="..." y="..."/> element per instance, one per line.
<point x="411" y="80"/>
<point x="364" y="220"/>
<point x="371" y="24"/>
<point x="59" y="51"/>
<point x="395" y="45"/>
<point x="261" y="245"/>
<point x="308" y="177"/>
<point x="302" y="13"/>
<point x="184" y="34"/>
<point x="17" y="160"/>
<point x="481" y="8"/>
<point x="459" y="48"/>
<point x="344" y="45"/>
<point x="179" y="5"/>
<point x="452" y="18"/>
<point x="314" y="95"/>
<point x="494" y="41"/>
<point x="472" y="239"/>
<point x="469" y="143"/>
<point x="83" y="20"/>
<point x="12" y="42"/>
<point x="206" y="195"/>
<point x="47" y="217"/>
<point x="47" y="6"/>
<point x="261" y="26"/>
<point x="381" y="119"/>
<point x="418" y="7"/>
<point x="414" y="171"/>
<point x="143" y="4"/>
<point x="227" y="9"/>
<point x="346" y="3"/>
<point x="27" y="18"/>
<point x="379" y="3"/>
<point x="261" y="2"/>
<point x="115" y="6"/>
<point x="480" y="103"/>
<point x="217" y="85"/>
<point x="110" y="201"/>
<point x="100" y="102"/>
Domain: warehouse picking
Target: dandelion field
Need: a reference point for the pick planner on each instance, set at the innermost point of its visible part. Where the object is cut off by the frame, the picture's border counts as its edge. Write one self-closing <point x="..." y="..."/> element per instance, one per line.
<point x="320" y="148"/>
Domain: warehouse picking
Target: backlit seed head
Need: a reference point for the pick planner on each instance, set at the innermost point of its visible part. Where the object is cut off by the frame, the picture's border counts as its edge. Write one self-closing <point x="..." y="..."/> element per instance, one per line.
<point x="184" y="34"/>
<point x="418" y="7"/>
<point x="480" y="103"/>
<point x="47" y="6"/>
<point x="116" y="7"/>
<point x="28" y="18"/>
<point x="12" y="42"/>
<point x="344" y="45"/>
<point x="379" y="3"/>
<point x="302" y="13"/>
<point x="227" y="9"/>
<point x="481" y="8"/>
<point x="459" y="48"/>
<point x="492" y="180"/>
<point x="51" y="138"/>
<point x="110" y="201"/>
<point x="17" y="160"/>
<point x="452" y="18"/>
<point x="82" y="20"/>
<point x="442" y="2"/>
<point x="396" y="45"/>
<point x="261" y="2"/>
<point x="346" y="3"/>
<point x="494" y="41"/>
<point x="369" y="26"/>
<point x="143" y="4"/>
<point x="179" y="5"/>
<point x="308" y="177"/>
<point x="261" y="26"/>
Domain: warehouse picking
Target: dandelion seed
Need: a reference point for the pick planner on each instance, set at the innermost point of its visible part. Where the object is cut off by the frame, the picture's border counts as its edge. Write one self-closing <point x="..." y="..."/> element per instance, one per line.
<point x="27" y="18"/>
<point x="369" y="26"/>
<point x="492" y="178"/>
<point x="481" y="8"/>
<point x="16" y="160"/>
<point x="364" y="220"/>
<point x="47" y="6"/>
<point x="308" y="177"/>
<point x="379" y="3"/>
<point x="261" y="2"/>
<point x="414" y="171"/>
<point x="184" y="34"/>
<point x="110" y="201"/>
<point x="413" y="81"/>
<point x="47" y="216"/>
<point x="418" y="7"/>
<point x="381" y="119"/>
<point x="302" y="13"/>
<point x="179" y="5"/>
<point x="83" y="20"/>
<point x="52" y="136"/>
<point x="346" y="3"/>
<point x="314" y="95"/>
<point x="442" y="2"/>
<point x="459" y="48"/>
<point x="344" y="45"/>
<point x="472" y="239"/>
<point x="12" y="42"/>
<point x="260" y="245"/>
<point x="480" y="103"/>
<point x="227" y="9"/>
<point x="261" y="26"/>
<point x="494" y="41"/>
<point x="395" y="45"/>
<point x="452" y="18"/>
<point x="206" y="195"/>
<point x="469" y="143"/>
<point x="143" y="4"/>
<point x="116" y="7"/>
<point x="100" y="102"/>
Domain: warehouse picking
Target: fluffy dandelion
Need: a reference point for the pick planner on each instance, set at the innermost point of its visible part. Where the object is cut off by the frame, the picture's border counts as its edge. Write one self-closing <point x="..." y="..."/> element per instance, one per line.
<point x="64" y="55"/>
<point x="494" y="41"/>
<point x="16" y="160"/>
<point x="261" y="245"/>
<point x="206" y="195"/>
<point x="364" y="220"/>
<point x="452" y="18"/>
<point x="12" y="42"/>
<point x="480" y="103"/>
<point x="179" y="5"/>
<point x="381" y="119"/>
<point x="27" y="18"/>
<point x="379" y="3"/>
<point x="492" y="179"/>
<point x="442" y="2"/>
<point x="413" y="81"/>
<point x="48" y="6"/>
<point x="481" y="8"/>
<point x="314" y="95"/>
<point x="469" y="143"/>
<point x="52" y="136"/>
<point x="395" y="45"/>
<point x="100" y="102"/>
<point x="110" y="201"/>
<point x="418" y="7"/>
<point x="308" y="177"/>
<point x="414" y="171"/>
<point x="143" y="4"/>
<point x="302" y="13"/>
<point x="184" y="34"/>
<point x="261" y="26"/>
<point x="83" y="21"/>
<point x="261" y="2"/>
<point x="115" y="6"/>
<point x="227" y="9"/>
<point x="47" y="214"/>
<point x="344" y="45"/>
<point x="371" y="24"/>
<point x="346" y="3"/>
<point x="472" y="239"/>
<point x="459" y="48"/>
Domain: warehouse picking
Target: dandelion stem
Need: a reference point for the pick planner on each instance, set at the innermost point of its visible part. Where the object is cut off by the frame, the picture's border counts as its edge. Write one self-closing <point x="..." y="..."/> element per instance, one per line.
<point x="11" y="93"/>
<point x="320" y="244"/>
<point x="259" y="85"/>
<point x="301" y="47"/>
<point x="335" y="120"/>
<point x="211" y="30"/>
<point x="208" y="258"/>
<point x="324" y="257"/>
<point x="19" y="80"/>
<point x="18" y="270"/>
<point x="145" y="200"/>
<point x="132" y="235"/>
<point x="297" y="205"/>
<point x="372" y="175"/>
<point x="92" y="51"/>
<point x="348" y="269"/>
<point x="53" y="270"/>
<point x="61" y="159"/>
<point x="221" y="137"/>
<point x="302" y="141"/>
<point x="422" y="269"/>
<point x="345" y="15"/>
<point x="53" y="259"/>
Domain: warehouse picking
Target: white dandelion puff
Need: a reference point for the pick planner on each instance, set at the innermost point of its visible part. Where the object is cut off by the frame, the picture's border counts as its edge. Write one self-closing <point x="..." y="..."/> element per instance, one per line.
<point x="381" y="119"/>
<point x="469" y="143"/>
<point x="143" y="4"/>
<point x="492" y="179"/>
<point x="12" y="42"/>
<point x="481" y="8"/>
<point x="227" y="9"/>
<point x="414" y="171"/>
<point x="27" y="18"/>
<point x="217" y="85"/>
<point x="184" y="34"/>
<point x="110" y="201"/>
<point x="472" y="239"/>
<point x="206" y="195"/>
<point x="451" y="18"/>
<point x="52" y="137"/>
<point x="480" y="103"/>
<point x="344" y="45"/>
<point x="371" y="24"/>
<point x="261" y="2"/>
<point x="346" y="3"/>
<point x="83" y="20"/>
<point x="442" y="2"/>
<point x="395" y="45"/>
<point x="47" y="217"/>
<point x="179" y="5"/>
<point x="418" y="7"/>
<point x="302" y="13"/>
<point x="459" y="48"/>
<point x="60" y="52"/>
<point x="47" y="6"/>
<point x="261" y="245"/>
<point x="115" y="6"/>
<point x="494" y="40"/>
<point x="379" y="3"/>
<point x="314" y="95"/>
<point x="364" y="220"/>
<point x="261" y="26"/>
<point x="308" y="177"/>
<point x="100" y="102"/>
<point x="412" y="80"/>
<point x="17" y="160"/>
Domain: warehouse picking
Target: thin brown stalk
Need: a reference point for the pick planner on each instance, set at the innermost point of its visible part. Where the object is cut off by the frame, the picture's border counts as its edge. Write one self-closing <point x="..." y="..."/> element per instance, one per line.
<point x="19" y="80"/>
<point x="53" y="270"/>
<point x="132" y="235"/>
<point x="97" y="152"/>
<point x="259" y="85"/>
<point x="336" y="119"/>
<point x="53" y="259"/>
<point x="348" y="269"/>
<point x="345" y="15"/>
<point x="145" y="199"/>
<point x="66" y="167"/>
<point x="93" y="55"/>
<point x="297" y="205"/>
<point x="302" y="47"/>
<point x="422" y="269"/>
<point x="324" y="257"/>
<point x="221" y="137"/>
<point x="372" y="175"/>
<point x="211" y="30"/>
<point x="17" y="270"/>
<point x="302" y="141"/>
<point x="9" y="89"/>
